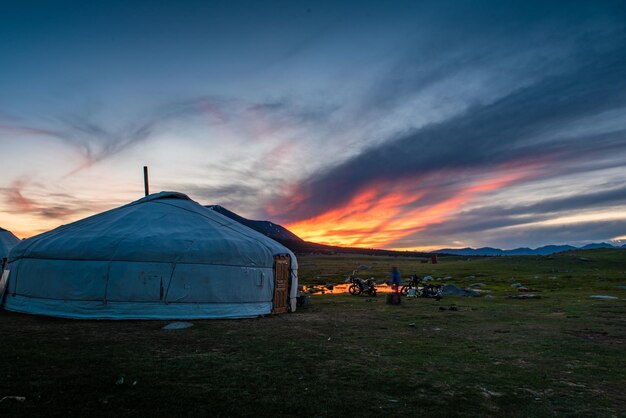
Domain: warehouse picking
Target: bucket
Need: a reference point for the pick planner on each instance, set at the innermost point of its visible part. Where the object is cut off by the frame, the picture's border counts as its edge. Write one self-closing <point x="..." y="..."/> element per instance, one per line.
<point x="393" y="298"/>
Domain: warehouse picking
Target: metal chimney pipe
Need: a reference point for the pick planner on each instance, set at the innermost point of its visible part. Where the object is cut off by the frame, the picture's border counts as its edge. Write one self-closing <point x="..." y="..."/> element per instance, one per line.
<point x="145" y="180"/>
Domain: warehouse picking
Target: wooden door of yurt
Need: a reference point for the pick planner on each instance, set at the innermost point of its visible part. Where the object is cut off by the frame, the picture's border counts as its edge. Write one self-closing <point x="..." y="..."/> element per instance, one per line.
<point x="282" y="267"/>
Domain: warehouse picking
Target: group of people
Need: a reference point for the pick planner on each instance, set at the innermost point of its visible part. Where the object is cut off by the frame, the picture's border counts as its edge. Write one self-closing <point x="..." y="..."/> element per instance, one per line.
<point x="427" y="291"/>
<point x="431" y="291"/>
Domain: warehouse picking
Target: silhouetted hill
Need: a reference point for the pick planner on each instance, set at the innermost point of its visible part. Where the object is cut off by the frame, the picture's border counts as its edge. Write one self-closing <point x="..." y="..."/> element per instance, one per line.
<point x="594" y="246"/>
<point x="553" y="249"/>
<point x="270" y="229"/>
<point x="306" y="247"/>
<point x="298" y="245"/>
<point x="485" y="251"/>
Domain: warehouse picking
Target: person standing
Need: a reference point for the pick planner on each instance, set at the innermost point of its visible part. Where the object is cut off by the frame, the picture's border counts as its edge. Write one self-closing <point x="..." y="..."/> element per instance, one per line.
<point x="396" y="281"/>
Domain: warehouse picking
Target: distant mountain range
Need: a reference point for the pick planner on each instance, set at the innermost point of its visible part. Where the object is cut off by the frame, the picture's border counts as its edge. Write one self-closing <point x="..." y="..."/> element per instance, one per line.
<point x="545" y="250"/>
<point x="298" y="245"/>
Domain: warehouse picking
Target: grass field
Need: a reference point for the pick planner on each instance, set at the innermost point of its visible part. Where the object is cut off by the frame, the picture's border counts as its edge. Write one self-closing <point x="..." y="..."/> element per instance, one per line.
<point x="564" y="354"/>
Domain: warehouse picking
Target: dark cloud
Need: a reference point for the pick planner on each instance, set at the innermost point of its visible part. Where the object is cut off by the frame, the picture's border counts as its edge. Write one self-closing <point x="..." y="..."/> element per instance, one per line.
<point x="580" y="201"/>
<point x="518" y="127"/>
<point x="294" y="114"/>
<point x="532" y="235"/>
<point x="422" y="99"/>
<point x="58" y="212"/>
<point x="484" y="220"/>
<point x="579" y="232"/>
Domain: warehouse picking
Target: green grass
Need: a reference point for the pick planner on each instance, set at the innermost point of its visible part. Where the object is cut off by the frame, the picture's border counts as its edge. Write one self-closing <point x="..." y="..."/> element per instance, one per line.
<point x="348" y="356"/>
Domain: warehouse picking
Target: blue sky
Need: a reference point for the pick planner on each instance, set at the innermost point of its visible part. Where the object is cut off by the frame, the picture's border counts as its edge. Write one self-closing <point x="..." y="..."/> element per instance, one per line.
<point x="381" y="124"/>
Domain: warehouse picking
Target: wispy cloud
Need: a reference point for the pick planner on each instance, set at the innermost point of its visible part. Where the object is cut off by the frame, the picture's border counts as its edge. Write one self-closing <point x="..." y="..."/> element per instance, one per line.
<point x="96" y="141"/>
<point x="529" y="220"/>
<point x="528" y="124"/>
<point x="371" y="125"/>
<point x="27" y="197"/>
<point x="242" y="181"/>
<point x="16" y="199"/>
<point x="385" y="212"/>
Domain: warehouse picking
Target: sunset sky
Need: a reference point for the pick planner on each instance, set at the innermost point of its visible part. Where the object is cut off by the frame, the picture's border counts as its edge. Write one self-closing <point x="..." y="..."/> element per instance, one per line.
<point x="388" y="124"/>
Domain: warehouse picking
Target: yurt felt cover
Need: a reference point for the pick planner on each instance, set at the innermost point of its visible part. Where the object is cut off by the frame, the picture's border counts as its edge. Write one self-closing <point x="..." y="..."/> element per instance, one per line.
<point x="160" y="257"/>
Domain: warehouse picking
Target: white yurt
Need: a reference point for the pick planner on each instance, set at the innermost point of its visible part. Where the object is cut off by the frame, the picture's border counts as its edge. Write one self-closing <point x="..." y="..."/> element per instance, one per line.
<point x="160" y="257"/>
<point x="7" y="241"/>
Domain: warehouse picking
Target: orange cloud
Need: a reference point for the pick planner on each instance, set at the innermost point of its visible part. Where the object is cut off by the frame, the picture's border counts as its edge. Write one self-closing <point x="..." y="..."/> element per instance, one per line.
<point x="386" y="212"/>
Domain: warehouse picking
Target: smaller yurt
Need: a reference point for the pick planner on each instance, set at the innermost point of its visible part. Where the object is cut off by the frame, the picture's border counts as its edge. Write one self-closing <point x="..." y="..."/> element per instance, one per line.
<point x="7" y="241"/>
<point x="160" y="257"/>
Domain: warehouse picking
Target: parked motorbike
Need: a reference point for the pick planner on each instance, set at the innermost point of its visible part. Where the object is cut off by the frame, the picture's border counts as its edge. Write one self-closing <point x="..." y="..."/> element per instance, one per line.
<point x="361" y="286"/>
<point x="413" y="284"/>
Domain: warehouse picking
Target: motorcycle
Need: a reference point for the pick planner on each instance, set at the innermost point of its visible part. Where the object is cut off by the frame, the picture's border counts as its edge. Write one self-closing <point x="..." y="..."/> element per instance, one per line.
<point x="413" y="284"/>
<point x="360" y="286"/>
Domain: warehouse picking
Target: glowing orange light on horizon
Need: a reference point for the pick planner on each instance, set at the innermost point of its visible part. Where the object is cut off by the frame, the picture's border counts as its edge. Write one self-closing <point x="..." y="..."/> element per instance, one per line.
<point x="380" y="215"/>
<point x="341" y="288"/>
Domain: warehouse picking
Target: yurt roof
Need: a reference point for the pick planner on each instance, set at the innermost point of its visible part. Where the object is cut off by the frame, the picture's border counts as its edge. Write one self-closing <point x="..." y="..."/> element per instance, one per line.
<point x="162" y="227"/>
